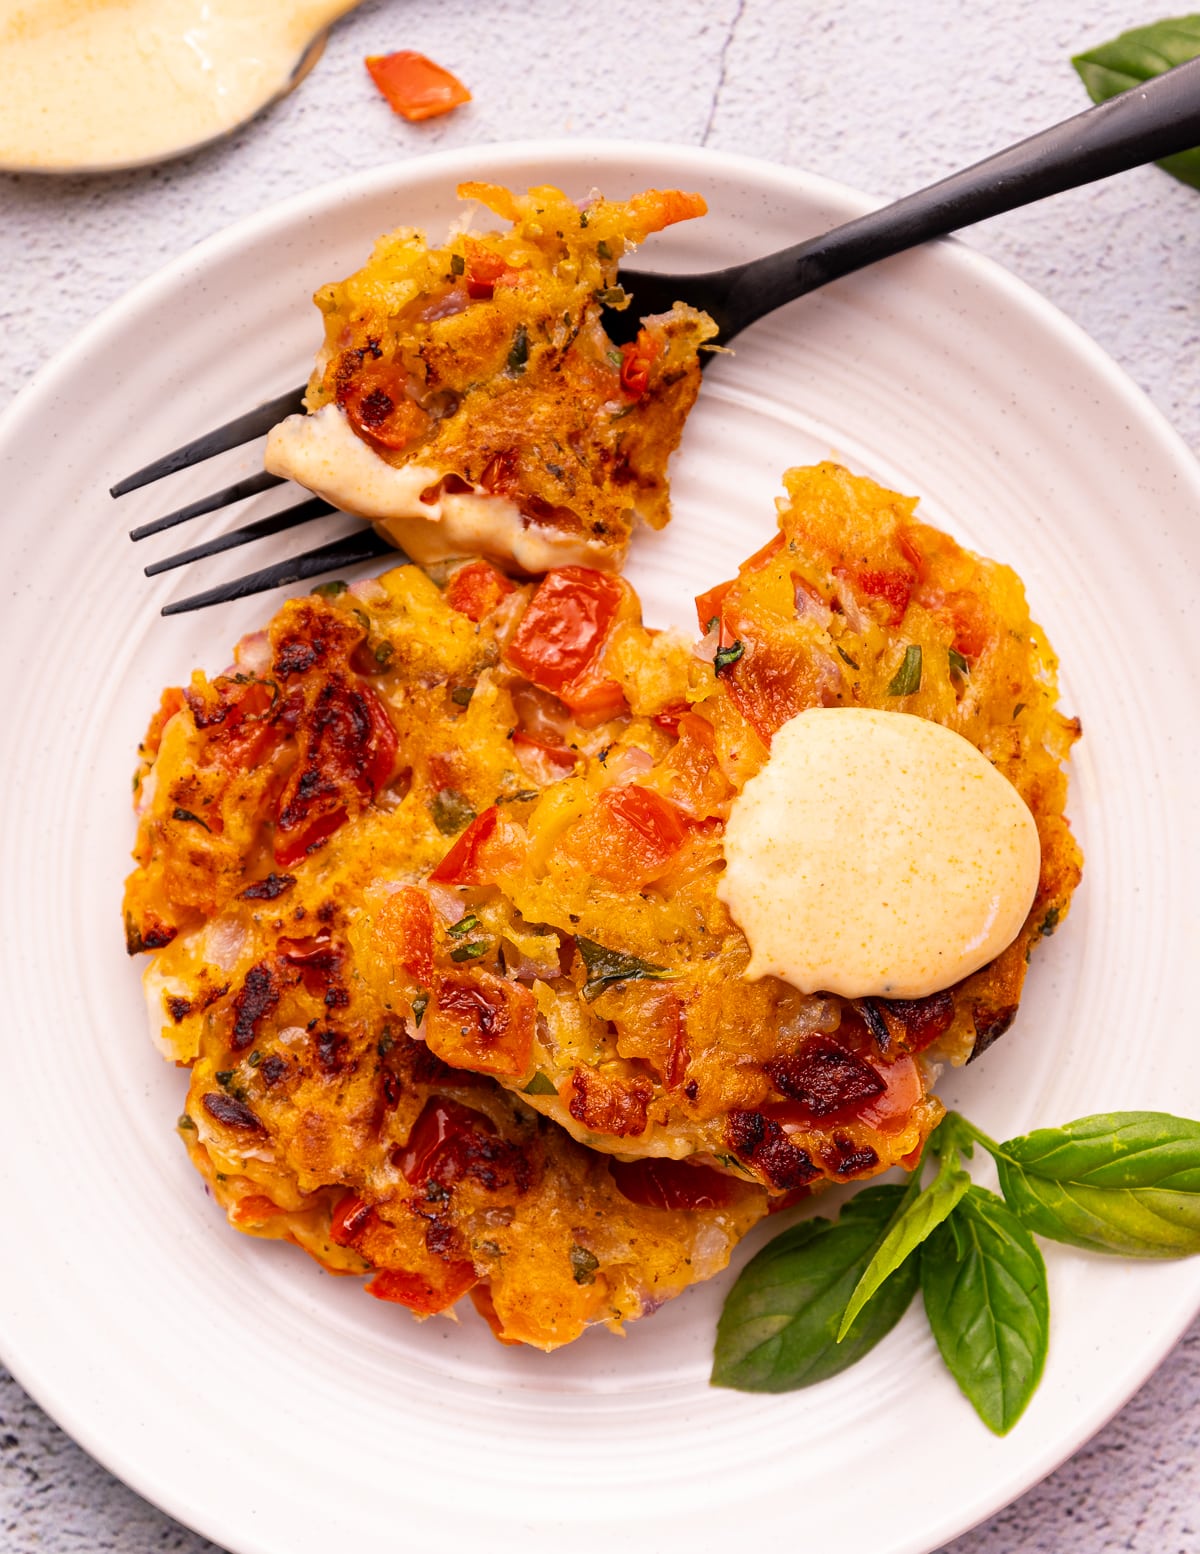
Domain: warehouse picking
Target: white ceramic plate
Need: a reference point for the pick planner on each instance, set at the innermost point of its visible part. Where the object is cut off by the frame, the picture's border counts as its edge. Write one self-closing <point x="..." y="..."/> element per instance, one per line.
<point x="266" y="1404"/>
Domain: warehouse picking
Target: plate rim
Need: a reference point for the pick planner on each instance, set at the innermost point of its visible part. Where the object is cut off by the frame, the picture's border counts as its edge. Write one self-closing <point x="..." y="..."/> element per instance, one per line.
<point x="477" y="161"/>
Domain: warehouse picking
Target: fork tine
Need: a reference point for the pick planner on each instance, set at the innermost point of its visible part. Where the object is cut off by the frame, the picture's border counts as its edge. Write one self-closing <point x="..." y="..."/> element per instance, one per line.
<point x="649" y="293"/>
<point x="243" y="428"/>
<point x="273" y="523"/>
<point x="238" y="492"/>
<point x="360" y="545"/>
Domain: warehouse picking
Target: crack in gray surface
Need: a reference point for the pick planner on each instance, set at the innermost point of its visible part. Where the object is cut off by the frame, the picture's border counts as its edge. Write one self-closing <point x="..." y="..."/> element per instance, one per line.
<point x="722" y="71"/>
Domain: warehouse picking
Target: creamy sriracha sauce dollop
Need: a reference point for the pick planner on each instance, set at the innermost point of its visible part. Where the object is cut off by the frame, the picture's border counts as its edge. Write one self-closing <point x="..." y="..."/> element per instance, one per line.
<point x="408" y="503"/>
<point x="877" y="854"/>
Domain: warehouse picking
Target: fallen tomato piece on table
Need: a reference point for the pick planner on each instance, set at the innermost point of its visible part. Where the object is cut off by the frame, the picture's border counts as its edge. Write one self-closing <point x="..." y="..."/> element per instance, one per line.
<point x="414" y="86"/>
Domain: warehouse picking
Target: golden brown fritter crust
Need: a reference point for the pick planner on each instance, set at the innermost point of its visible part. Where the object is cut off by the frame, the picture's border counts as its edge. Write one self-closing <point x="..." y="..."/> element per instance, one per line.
<point x="315" y="1118"/>
<point x="486" y="361"/>
<point x="530" y="855"/>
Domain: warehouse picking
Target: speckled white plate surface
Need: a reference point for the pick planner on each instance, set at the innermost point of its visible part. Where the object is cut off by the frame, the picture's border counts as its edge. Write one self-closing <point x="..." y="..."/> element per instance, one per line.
<point x="270" y="1406"/>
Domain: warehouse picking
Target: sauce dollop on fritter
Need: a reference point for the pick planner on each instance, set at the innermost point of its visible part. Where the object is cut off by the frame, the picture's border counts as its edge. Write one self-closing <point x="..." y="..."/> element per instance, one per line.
<point x="941" y="884"/>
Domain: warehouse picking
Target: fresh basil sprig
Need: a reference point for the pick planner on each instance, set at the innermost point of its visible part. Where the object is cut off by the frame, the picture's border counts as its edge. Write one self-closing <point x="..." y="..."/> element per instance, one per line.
<point x="824" y="1293"/>
<point x="983" y="1282"/>
<point x="1124" y="1182"/>
<point x="777" y="1330"/>
<point x="1136" y="56"/>
<point x="918" y="1216"/>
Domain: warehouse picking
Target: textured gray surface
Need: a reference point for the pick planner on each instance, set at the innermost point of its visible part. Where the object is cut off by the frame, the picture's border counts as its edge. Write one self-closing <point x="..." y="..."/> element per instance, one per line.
<point x="883" y="95"/>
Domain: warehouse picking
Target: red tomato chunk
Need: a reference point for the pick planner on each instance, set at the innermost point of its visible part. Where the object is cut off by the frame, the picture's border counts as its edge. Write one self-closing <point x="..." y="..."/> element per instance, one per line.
<point x="414" y="86"/>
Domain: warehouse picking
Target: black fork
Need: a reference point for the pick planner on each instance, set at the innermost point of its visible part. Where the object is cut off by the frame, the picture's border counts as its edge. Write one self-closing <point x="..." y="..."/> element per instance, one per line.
<point x="1152" y="121"/>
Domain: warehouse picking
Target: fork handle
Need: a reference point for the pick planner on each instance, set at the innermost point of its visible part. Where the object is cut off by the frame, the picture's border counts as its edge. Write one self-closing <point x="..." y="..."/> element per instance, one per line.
<point x="1141" y="125"/>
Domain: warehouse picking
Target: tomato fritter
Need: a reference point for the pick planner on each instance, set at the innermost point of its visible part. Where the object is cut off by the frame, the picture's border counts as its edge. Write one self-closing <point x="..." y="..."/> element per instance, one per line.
<point x="468" y="400"/>
<point x="517" y="793"/>
<point x="316" y="1118"/>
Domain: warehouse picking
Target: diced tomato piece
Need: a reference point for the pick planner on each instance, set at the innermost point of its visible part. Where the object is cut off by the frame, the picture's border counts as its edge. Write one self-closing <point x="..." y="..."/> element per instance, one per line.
<point x="490" y="846"/>
<point x="890" y="1111"/>
<point x="461" y="865"/>
<point x="377" y="405"/>
<point x="973" y="626"/>
<point x="485" y="1025"/>
<point x="763" y="683"/>
<point x="710" y="604"/>
<point x="671" y="1184"/>
<point x="317" y="950"/>
<point x="481" y="1299"/>
<point x="562" y="635"/>
<point x="787" y="1200"/>
<point x="501" y="475"/>
<point x="765" y="553"/>
<point x="291" y="846"/>
<point x="347" y="747"/>
<point x="351" y="1215"/>
<point x="917" y="1022"/>
<point x="823" y="1079"/>
<point x="657" y="822"/>
<point x="630" y="838"/>
<point x="907" y="543"/>
<point x="238" y="719"/>
<point x="414" y="86"/>
<point x="675" y="1029"/>
<point x="544" y="763"/>
<point x="893" y="586"/>
<point x="594" y="698"/>
<point x="485" y="271"/>
<point x="668" y="718"/>
<point x="405" y="925"/>
<point x="637" y="358"/>
<point x="254" y="1209"/>
<point x="695" y="780"/>
<point x="476" y="589"/>
<point x="383" y="744"/>
<point x="425" y="1293"/>
<point x="442" y="1125"/>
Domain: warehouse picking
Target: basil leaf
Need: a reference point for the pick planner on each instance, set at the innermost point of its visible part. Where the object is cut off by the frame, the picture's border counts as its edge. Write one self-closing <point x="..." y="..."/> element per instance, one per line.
<point x="540" y="1084"/>
<point x="984" y="1286"/>
<point x="916" y="1220"/>
<point x="471" y="951"/>
<point x="907" y="678"/>
<point x="186" y="814"/>
<point x="727" y="655"/>
<point x="777" y="1329"/>
<point x="1125" y="1182"/>
<point x="451" y="811"/>
<point x="958" y="664"/>
<point x="605" y="966"/>
<point x="583" y="1264"/>
<point x="518" y="354"/>
<point x="1136" y="56"/>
